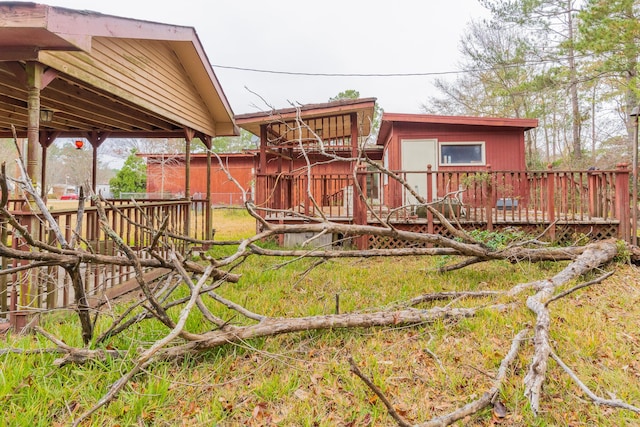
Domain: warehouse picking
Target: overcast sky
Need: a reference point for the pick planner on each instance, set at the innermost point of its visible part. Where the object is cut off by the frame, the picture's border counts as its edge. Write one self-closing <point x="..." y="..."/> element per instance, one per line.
<point x="327" y="36"/>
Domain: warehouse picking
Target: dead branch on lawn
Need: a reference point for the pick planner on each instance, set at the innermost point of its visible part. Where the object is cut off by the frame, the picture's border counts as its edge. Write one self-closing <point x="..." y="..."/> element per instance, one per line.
<point x="275" y="326"/>
<point x="594" y="255"/>
<point x="147" y="356"/>
<point x="76" y="356"/>
<point x="487" y="398"/>
<point x="614" y="403"/>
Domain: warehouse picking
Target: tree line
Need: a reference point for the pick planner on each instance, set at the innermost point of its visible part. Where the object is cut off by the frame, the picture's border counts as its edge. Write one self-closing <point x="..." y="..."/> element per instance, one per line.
<point x="572" y="64"/>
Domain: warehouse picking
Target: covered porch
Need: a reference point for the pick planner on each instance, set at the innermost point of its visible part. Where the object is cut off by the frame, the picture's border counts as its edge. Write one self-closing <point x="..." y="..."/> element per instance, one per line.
<point x="91" y="77"/>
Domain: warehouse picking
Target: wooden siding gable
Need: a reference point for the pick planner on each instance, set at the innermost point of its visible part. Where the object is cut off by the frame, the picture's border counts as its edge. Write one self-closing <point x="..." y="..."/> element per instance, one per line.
<point x="146" y="73"/>
<point x="158" y="72"/>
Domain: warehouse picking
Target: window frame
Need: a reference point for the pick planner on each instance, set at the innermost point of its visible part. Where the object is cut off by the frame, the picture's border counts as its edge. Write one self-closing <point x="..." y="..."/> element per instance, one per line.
<point x="483" y="153"/>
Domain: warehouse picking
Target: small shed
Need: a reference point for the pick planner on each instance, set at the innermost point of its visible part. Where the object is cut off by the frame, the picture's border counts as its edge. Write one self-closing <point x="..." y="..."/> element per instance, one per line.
<point x="415" y="143"/>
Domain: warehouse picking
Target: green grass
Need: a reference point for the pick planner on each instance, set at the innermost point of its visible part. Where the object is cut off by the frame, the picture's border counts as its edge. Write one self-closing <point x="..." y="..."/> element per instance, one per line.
<point x="303" y="379"/>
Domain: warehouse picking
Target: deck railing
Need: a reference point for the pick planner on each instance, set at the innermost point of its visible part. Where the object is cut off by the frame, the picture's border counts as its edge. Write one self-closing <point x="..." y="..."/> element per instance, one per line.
<point x="307" y="194"/>
<point x="49" y="287"/>
<point x="488" y="197"/>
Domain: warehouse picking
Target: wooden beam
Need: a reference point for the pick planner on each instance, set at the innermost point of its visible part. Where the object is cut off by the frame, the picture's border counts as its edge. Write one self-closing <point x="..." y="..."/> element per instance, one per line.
<point x="279" y="154"/>
<point x="18" y="53"/>
<point x="47" y="77"/>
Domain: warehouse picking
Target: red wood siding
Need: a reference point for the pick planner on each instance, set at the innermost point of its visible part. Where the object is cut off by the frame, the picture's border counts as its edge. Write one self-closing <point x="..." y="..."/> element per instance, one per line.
<point x="504" y="147"/>
<point x="223" y="191"/>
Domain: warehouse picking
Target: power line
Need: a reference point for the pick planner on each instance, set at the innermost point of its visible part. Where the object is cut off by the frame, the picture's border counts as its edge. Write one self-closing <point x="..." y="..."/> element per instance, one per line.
<point x="422" y="74"/>
<point x="294" y="73"/>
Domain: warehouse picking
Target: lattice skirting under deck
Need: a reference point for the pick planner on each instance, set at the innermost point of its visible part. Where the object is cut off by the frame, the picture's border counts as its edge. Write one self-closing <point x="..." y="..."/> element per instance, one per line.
<point x="564" y="233"/>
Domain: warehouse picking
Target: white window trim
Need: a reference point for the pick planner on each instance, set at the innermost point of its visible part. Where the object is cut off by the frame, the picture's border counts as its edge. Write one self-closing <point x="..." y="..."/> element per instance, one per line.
<point x="482" y="150"/>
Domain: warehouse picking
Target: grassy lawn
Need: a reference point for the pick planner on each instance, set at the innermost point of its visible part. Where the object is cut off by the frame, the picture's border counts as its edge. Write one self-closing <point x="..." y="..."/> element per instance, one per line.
<point x="303" y="379"/>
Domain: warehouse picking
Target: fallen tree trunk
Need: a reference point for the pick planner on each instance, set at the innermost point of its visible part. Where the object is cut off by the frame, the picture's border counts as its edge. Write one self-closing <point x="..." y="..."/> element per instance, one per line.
<point x="277" y="326"/>
<point x="594" y="255"/>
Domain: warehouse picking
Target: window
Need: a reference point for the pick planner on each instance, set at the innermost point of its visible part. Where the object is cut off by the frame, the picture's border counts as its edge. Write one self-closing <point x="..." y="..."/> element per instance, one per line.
<point x="462" y="153"/>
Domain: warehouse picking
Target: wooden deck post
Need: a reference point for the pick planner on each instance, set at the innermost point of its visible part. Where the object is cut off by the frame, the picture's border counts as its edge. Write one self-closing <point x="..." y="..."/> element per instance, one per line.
<point x="208" y="233"/>
<point x="595" y="207"/>
<point x="429" y="198"/>
<point x="260" y="197"/>
<point x="189" y="135"/>
<point x="489" y="202"/>
<point x="627" y="231"/>
<point x="4" y="264"/>
<point x="359" y="205"/>
<point x="34" y="72"/>
<point x="551" y="208"/>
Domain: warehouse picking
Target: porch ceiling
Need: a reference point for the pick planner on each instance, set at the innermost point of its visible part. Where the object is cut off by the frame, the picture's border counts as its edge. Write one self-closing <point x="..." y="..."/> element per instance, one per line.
<point x="108" y="75"/>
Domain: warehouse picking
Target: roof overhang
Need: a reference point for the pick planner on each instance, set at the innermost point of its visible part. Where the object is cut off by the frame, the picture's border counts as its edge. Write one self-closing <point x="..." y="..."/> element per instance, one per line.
<point x="118" y="96"/>
<point x="363" y="108"/>
<point x="389" y="119"/>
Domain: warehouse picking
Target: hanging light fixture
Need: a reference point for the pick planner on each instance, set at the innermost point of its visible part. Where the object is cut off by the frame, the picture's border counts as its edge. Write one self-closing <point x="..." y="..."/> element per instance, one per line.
<point x="46" y="115"/>
<point x="79" y="144"/>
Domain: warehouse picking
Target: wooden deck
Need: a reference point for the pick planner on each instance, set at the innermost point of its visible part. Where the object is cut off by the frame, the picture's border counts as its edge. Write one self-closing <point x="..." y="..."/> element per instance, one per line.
<point x="570" y="203"/>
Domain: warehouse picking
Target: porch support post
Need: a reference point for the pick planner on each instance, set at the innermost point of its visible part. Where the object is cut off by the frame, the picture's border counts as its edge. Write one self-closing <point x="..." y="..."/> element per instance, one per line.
<point x="278" y="194"/>
<point x="46" y="139"/>
<point x="34" y="82"/>
<point x="94" y="165"/>
<point x="595" y="190"/>
<point x="4" y="261"/>
<point x="354" y="134"/>
<point x="261" y="175"/>
<point x="489" y="202"/>
<point x="551" y="208"/>
<point x="43" y="170"/>
<point x="627" y="230"/>
<point x="95" y="139"/>
<point x="188" y="136"/>
<point x="208" y="233"/>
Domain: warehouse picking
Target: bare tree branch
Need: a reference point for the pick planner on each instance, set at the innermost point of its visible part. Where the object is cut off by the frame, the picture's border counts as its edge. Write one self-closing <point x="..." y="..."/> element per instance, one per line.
<point x="485" y="400"/>
<point x="593" y="256"/>
<point x="615" y="403"/>
<point x="147" y="356"/>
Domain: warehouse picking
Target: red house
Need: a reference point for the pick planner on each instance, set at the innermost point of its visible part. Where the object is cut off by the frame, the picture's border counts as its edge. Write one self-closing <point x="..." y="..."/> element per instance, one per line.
<point x="417" y="143"/>
<point x="472" y="169"/>
<point x="310" y="163"/>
